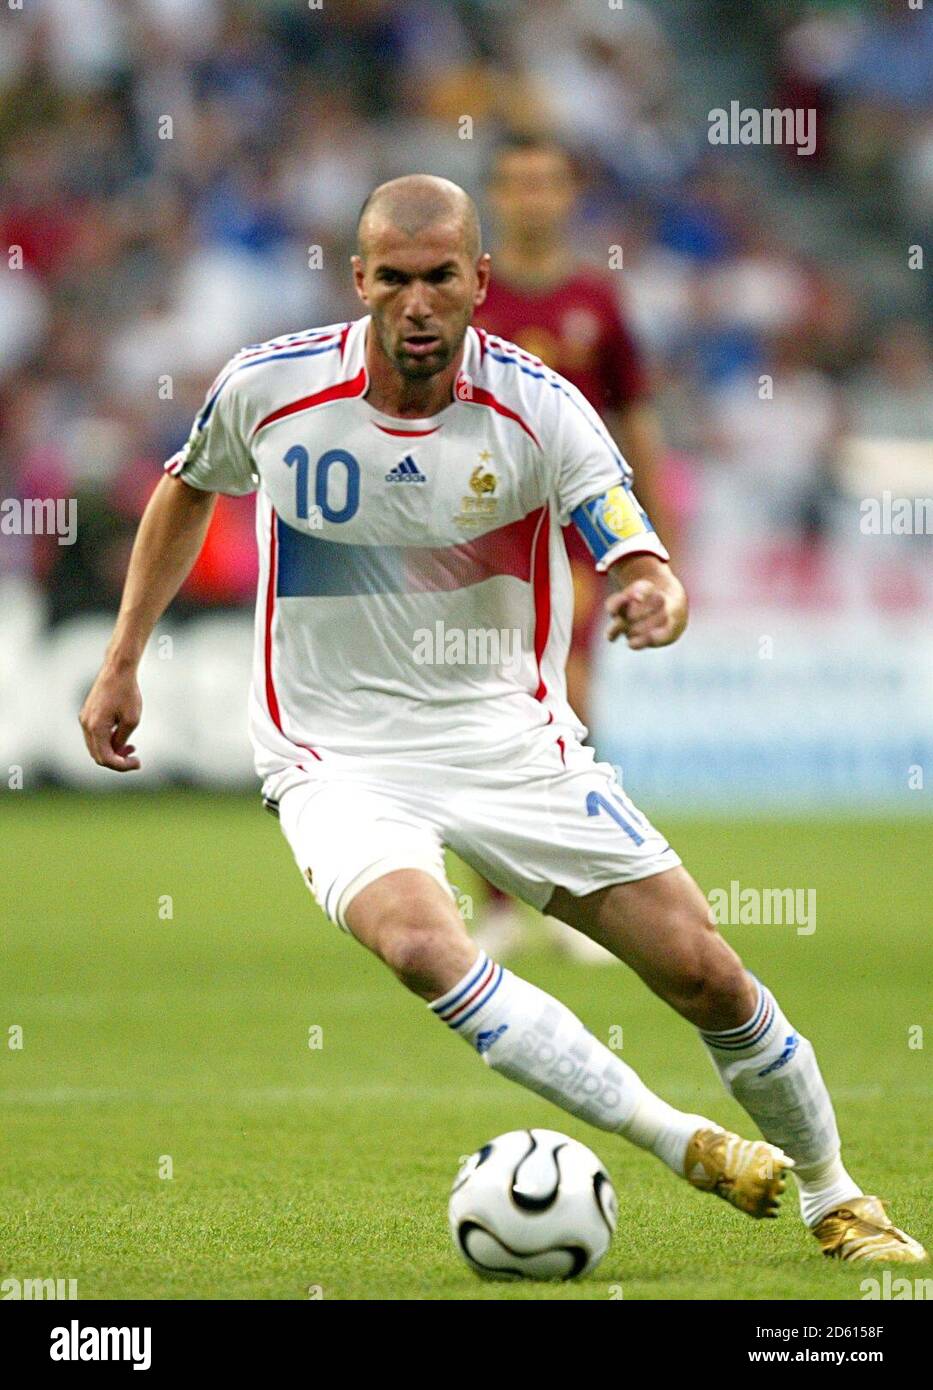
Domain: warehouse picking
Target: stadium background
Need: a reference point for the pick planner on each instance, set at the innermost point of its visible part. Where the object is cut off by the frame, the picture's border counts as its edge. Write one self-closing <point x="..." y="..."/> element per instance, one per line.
<point x="157" y="948"/>
<point x="148" y="260"/>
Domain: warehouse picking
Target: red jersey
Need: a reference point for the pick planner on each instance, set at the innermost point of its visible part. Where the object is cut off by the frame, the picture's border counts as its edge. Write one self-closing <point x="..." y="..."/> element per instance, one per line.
<point x="577" y="328"/>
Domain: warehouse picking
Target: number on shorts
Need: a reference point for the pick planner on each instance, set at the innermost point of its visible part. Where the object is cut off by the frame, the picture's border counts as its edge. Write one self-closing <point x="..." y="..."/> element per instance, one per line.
<point x="596" y="803"/>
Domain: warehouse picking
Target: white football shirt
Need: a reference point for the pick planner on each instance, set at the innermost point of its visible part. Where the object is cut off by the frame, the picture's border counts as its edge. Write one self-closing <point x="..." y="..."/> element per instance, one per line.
<point x="414" y="597"/>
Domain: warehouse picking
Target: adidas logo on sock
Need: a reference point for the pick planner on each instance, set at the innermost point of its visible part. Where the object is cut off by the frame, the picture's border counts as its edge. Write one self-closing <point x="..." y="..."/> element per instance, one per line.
<point x="485" y="1040"/>
<point x="790" y="1047"/>
<point x="406" y="472"/>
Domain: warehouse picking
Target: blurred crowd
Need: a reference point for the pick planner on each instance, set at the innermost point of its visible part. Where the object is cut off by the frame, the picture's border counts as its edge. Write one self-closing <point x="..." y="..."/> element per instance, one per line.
<point x="181" y="177"/>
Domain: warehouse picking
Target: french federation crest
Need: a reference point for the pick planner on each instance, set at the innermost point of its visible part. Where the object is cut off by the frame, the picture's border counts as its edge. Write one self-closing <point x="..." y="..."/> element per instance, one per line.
<point x="480" y="507"/>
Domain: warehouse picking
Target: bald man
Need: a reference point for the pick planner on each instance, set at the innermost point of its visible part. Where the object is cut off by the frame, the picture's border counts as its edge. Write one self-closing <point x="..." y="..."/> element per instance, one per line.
<point x="412" y="622"/>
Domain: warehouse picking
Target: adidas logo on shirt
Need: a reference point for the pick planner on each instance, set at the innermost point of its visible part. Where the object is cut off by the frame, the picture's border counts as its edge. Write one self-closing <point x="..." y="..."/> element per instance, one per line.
<point x="406" y="472"/>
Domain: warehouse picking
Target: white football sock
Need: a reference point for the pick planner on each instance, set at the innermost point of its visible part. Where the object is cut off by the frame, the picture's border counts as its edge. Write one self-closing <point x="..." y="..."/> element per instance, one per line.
<point x="772" y="1071"/>
<point x="533" y="1039"/>
<point x="823" y="1186"/>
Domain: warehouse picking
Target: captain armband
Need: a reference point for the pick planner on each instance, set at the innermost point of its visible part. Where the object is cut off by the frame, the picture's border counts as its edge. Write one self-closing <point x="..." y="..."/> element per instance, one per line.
<point x="614" y="524"/>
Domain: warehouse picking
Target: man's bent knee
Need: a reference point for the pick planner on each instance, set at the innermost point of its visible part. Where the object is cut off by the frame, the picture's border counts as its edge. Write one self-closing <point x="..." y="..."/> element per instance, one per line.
<point x="408" y="920"/>
<point x="712" y="989"/>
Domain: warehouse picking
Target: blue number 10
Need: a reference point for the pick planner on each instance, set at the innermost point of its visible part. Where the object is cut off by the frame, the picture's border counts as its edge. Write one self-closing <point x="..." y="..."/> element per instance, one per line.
<point x="297" y="457"/>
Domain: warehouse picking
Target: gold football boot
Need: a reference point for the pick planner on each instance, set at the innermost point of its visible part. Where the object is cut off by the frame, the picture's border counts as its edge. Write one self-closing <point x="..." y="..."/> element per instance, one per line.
<point x="861" y="1229"/>
<point x="748" y="1173"/>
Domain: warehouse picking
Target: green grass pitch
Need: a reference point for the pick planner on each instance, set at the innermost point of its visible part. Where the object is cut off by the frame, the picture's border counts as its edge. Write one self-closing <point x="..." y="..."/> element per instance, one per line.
<point x="325" y="1170"/>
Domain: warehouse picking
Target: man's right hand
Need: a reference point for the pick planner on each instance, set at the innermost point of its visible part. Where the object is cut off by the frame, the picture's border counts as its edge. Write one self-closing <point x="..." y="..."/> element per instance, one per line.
<point x="167" y="544"/>
<point x="111" y="712"/>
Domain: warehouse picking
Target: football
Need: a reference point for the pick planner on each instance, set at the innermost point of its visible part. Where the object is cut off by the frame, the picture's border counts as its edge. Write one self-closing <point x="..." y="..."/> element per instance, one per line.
<point x="532" y="1204"/>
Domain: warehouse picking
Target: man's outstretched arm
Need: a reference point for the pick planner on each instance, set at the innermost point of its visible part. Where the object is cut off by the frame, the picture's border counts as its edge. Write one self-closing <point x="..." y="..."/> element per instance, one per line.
<point x="168" y="542"/>
<point x="650" y="607"/>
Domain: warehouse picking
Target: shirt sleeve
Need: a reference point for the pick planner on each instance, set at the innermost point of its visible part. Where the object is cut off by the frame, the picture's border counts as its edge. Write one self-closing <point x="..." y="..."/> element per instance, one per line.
<point x="594" y="489"/>
<point x="216" y="456"/>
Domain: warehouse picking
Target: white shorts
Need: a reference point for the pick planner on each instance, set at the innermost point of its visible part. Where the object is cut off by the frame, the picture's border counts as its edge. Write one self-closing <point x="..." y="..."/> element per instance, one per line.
<point x="559" y="819"/>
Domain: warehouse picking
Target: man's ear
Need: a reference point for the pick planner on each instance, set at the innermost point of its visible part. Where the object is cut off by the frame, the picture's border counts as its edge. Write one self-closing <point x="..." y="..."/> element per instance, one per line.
<point x="483" y="268"/>
<point x="359" y="276"/>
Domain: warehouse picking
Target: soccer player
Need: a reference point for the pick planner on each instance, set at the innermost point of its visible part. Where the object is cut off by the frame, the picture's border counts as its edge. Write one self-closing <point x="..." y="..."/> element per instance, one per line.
<point x="566" y="312"/>
<point x="412" y="622"/>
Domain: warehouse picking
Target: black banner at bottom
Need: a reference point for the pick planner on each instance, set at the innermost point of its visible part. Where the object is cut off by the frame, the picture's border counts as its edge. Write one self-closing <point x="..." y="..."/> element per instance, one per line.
<point x="162" y="1338"/>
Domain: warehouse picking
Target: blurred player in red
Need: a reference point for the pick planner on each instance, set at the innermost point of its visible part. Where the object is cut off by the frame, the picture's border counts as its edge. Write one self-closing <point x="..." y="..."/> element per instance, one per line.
<point x="566" y="312"/>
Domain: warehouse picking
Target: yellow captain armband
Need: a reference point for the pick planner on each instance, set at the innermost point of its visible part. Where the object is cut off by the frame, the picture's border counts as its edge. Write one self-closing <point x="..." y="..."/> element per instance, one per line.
<point x="613" y="516"/>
